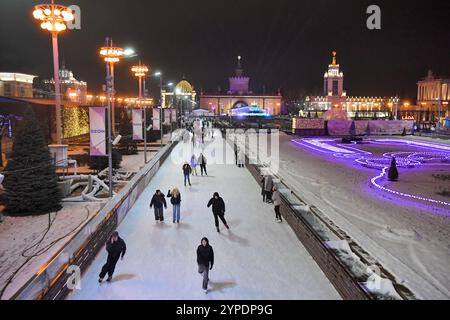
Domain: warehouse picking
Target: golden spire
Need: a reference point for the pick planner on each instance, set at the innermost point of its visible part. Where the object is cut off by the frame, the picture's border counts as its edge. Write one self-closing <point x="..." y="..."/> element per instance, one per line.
<point x="334" y="59"/>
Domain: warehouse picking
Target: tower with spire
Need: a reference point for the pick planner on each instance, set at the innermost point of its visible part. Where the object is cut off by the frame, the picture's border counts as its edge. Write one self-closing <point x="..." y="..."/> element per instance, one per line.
<point x="239" y="84"/>
<point x="333" y="79"/>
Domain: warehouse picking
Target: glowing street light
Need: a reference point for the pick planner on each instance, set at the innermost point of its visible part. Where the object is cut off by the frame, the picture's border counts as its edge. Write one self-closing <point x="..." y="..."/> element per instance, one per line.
<point x="140" y="71"/>
<point x="110" y="55"/>
<point x="53" y="18"/>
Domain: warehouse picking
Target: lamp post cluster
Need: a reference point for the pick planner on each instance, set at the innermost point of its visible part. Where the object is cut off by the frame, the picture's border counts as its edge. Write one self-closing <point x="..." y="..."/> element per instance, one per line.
<point x="53" y="17"/>
<point x="140" y="71"/>
<point x="110" y="55"/>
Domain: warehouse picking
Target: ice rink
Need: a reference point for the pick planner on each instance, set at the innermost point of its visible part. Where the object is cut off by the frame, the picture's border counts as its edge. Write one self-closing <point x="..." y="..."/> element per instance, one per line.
<point x="257" y="259"/>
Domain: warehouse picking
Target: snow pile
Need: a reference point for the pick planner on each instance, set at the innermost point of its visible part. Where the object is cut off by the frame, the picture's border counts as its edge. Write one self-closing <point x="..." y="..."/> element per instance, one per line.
<point x="367" y="276"/>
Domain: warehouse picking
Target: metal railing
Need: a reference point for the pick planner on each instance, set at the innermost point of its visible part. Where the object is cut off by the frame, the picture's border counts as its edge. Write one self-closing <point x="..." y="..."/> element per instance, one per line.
<point x="50" y="283"/>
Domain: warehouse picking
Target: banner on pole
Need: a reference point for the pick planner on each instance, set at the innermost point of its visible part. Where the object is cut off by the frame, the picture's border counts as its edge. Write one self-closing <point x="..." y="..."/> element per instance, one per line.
<point x="167" y="116"/>
<point x="156" y="119"/>
<point x="97" y="131"/>
<point x="137" y="124"/>
<point x="173" y="115"/>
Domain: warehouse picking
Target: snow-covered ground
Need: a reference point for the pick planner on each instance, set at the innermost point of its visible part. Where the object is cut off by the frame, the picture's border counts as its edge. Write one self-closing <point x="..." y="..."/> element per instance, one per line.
<point x="17" y="234"/>
<point x="411" y="242"/>
<point x="257" y="259"/>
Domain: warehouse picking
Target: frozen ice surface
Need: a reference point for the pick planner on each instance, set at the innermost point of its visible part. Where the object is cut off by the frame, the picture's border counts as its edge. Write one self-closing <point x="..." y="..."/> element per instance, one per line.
<point x="257" y="259"/>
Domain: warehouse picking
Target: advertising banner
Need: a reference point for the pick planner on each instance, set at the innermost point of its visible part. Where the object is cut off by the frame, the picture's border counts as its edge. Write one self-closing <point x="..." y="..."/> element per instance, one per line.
<point x="156" y="119"/>
<point x="137" y="124"/>
<point x="167" y="113"/>
<point x="97" y="131"/>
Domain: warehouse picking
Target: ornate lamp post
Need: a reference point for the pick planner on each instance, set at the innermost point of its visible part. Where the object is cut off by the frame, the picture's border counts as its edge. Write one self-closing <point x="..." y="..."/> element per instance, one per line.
<point x="140" y="72"/>
<point x="110" y="55"/>
<point x="53" y="18"/>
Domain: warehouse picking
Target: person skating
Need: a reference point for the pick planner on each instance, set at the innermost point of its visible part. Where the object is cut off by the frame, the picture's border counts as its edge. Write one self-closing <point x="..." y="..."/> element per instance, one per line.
<point x="115" y="247"/>
<point x="241" y="158"/>
<point x="175" y="200"/>
<point x="194" y="165"/>
<point x="202" y="162"/>
<point x="218" y="209"/>
<point x="205" y="261"/>
<point x="277" y="202"/>
<point x="158" y="202"/>
<point x="187" y="170"/>
<point x="267" y="186"/>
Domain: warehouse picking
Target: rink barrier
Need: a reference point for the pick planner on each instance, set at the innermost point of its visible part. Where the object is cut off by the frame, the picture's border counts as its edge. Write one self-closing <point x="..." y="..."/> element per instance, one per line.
<point x="50" y="283"/>
<point x="337" y="273"/>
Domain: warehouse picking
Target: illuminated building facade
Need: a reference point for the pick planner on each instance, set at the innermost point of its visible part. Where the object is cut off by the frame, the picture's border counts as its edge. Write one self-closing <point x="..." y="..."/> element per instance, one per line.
<point x="16" y="85"/>
<point x="433" y="95"/>
<point x="239" y="95"/>
<point x="336" y="97"/>
<point x="71" y="89"/>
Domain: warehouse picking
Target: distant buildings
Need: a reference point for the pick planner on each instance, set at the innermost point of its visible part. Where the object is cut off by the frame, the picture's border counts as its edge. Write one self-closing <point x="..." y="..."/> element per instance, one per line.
<point x="183" y="97"/>
<point x="71" y="89"/>
<point x="239" y="95"/>
<point x="16" y="85"/>
<point x="336" y="97"/>
<point x="433" y="95"/>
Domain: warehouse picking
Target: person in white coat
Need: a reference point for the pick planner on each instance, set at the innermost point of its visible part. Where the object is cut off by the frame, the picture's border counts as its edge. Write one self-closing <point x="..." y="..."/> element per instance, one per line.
<point x="276" y="197"/>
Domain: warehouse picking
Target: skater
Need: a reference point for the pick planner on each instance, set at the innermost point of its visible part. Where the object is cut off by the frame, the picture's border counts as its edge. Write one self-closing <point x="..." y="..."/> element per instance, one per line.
<point x="194" y="165"/>
<point x="205" y="261"/>
<point x="187" y="170"/>
<point x="115" y="248"/>
<point x="236" y="153"/>
<point x="267" y="184"/>
<point x="202" y="162"/>
<point x="241" y="158"/>
<point x="218" y="209"/>
<point x="175" y="200"/>
<point x="277" y="201"/>
<point x="158" y="201"/>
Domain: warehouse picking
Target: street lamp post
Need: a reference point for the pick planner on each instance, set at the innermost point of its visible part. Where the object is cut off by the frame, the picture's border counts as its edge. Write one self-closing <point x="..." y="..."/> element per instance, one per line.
<point x="54" y="18"/>
<point x="140" y="71"/>
<point x="396" y="100"/>
<point x="110" y="55"/>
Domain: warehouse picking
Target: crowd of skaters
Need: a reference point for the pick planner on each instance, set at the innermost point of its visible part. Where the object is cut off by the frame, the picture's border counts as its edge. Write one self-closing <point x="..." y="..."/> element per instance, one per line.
<point x="116" y="246"/>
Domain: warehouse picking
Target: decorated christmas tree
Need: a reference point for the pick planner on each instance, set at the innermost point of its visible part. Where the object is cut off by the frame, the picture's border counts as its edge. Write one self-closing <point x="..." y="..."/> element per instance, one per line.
<point x="393" y="172"/>
<point x="31" y="183"/>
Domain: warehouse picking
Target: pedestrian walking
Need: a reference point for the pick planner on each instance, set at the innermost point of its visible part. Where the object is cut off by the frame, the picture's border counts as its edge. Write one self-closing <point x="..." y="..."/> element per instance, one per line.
<point x="277" y="202"/>
<point x="218" y="209"/>
<point x="268" y="186"/>
<point x="202" y="162"/>
<point x="116" y="248"/>
<point x="187" y="170"/>
<point x="175" y="200"/>
<point x="205" y="261"/>
<point x="158" y="202"/>
<point x="194" y="165"/>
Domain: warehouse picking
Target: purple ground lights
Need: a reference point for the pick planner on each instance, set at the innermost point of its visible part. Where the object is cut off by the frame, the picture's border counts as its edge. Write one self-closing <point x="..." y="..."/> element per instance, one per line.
<point x="424" y="154"/>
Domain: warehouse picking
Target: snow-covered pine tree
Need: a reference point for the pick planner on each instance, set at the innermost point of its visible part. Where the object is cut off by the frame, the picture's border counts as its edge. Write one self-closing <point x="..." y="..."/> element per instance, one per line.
<point x="31" y="183"/>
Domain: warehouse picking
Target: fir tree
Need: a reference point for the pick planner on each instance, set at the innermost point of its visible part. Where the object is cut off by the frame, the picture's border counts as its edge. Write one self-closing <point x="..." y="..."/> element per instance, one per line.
<point x="393" y="172"/>
<point x="31" y="183"/>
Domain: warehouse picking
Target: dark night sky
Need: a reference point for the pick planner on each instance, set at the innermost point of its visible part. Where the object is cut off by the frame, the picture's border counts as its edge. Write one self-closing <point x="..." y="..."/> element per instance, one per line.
<point x="284" y="44"/>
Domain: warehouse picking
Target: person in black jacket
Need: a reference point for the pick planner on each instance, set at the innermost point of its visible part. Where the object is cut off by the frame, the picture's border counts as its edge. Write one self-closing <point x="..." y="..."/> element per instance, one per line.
<point x="115" y="247"/>
<point x="187" y="170"/>
<point x="175" y="200"/>
<point x="158" y="201"/>
<point x="218" y="209"/>
<point x="205" y="261"/>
